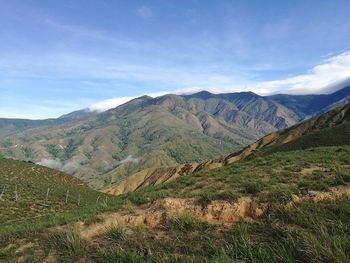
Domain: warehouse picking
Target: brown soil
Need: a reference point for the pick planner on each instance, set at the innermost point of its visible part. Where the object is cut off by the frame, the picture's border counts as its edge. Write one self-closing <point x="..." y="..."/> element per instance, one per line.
<point x="155" y="214"/>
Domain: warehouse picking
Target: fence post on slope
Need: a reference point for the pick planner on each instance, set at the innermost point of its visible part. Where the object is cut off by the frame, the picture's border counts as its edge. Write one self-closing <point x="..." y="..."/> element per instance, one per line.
<point x="16" y="194"/>
<point x="67" y="194"/>
<point x="47" y="195"/>
<point x="2" y="193"/>
<point x="79" y="199"/>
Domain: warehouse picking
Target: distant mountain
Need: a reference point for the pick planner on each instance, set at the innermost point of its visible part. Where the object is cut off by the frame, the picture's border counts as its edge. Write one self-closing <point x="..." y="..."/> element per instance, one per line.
<point x="13" y="126"/>
<point x="155" y="132"/>
<point x="308" y="105"/>
<point x="79" y="114"/>
<point x="328" y="129"/>
<point x="148" y="132"/>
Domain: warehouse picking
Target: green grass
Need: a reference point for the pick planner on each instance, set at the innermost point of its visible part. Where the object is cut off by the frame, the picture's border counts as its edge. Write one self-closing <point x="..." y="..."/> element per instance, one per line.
<point x="334" y="136"/>
<point x="116" y="232"/>
<point x="69" y="244"/>
<point x="268" y="177"/>
<point x="308" y="232"/>
<point x="186" y="222"/>
<point x="32" y="182"/>
<point x="33" y="211"/>
<point x="305" y="232"/>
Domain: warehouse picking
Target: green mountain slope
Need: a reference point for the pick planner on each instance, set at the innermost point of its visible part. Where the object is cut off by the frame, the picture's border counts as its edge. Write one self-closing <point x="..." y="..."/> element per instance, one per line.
<point x="307" y="105"/>
<point x="147" y="132"/>
<point x="315" y="131"/>
<point x="154" y="132"/>
<point x="328" y="129"/>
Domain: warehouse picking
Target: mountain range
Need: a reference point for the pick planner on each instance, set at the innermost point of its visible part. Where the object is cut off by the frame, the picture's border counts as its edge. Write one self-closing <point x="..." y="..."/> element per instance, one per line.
<point x="283" y="198"/>
<point x="102" y="148"/>
<point x="314" y="132"/>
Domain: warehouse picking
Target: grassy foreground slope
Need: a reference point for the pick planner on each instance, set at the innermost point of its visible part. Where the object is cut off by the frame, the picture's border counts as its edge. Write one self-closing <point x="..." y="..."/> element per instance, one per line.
<point x="32" y="195"/>
<point x="307" y="218"/>
<point x="304" y="196"/>
<point x="286" y="205"/>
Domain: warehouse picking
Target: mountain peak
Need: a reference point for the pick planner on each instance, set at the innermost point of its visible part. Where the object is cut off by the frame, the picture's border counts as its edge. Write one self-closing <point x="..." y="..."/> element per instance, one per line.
<point x="200" y="95"/>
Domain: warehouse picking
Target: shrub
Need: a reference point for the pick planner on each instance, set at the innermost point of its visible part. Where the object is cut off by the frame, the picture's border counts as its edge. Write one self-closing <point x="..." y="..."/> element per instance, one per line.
<point x="251" y="188"/>
<point x="116" y="232"/>
<point x="70" y="245"/>
<point x="187" y="222"/>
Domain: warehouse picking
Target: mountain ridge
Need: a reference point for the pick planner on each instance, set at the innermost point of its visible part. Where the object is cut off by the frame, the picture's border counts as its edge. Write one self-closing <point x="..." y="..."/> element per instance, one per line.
<point x="154" y="176"/>
<point x="149" y="132"/>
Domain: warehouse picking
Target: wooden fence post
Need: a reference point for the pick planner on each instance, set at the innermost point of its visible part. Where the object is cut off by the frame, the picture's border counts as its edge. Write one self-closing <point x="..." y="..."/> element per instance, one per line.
<point x="16" y="194"/>
<point x="2" y="193"/>
<point x="47" y="194"/>
<point x="67" y="194"/>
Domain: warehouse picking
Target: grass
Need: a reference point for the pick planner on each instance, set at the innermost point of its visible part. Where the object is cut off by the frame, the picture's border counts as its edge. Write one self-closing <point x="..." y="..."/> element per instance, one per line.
<point x="33" y="212"/>
<point x="32" y="183"/>
<point x="116" y="232"/>
<point x="307" y="232"/>
<point x="304" y="232"/>
<point x="69" y="244"/>
<point x="324" y="137"/>
<point x="186" y="222"/>
<point x="275" y="176"/>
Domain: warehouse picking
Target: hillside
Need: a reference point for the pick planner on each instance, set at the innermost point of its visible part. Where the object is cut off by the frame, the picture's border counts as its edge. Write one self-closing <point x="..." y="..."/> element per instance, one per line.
<point x="285" y="207"/>
<point x="317" y="131"/>
<point x="272" y="205"/>
<point x="29" y="191"/>
<point x="147" y="132"/>
<point x="152" y="132"/>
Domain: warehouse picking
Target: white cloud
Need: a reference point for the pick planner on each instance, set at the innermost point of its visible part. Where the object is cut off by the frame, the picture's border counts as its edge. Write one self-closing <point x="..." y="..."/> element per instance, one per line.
<point x="332" y="74"/>
<point x="69" y="167"/>
<point x="323" y="78"/>
<point x="115" y="102"/>
<point x="109" y="104"/>
<point x="129" y="159"/>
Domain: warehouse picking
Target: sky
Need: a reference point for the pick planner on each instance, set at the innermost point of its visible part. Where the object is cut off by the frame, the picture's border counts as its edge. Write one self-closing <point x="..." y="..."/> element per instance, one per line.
<point x="57" y="56"/>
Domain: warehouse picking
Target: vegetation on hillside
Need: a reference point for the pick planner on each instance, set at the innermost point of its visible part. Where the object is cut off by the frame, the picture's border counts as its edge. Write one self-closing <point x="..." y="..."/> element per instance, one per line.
<point x="306" y="231"/>
<point x="163" y="131"/>
<point x="32" y="195"/>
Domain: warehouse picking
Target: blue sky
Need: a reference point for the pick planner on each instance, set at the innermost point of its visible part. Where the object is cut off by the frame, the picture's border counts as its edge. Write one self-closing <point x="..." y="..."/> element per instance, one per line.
<point x="57" y="56"/>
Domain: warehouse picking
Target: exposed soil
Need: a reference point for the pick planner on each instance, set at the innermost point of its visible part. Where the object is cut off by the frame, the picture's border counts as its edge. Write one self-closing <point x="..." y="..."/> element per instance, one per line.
<point x="157" y="213"/>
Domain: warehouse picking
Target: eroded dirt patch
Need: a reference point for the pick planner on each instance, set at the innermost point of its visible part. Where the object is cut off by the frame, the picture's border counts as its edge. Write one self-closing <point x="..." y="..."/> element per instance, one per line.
<point x="159" y="212"/>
